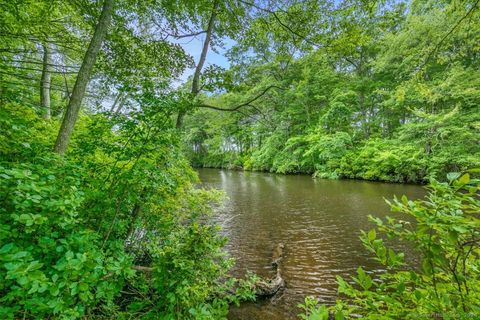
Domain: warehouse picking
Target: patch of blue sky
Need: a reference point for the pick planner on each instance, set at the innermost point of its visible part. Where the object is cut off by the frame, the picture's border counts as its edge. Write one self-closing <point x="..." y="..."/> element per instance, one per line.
<point x="193" y="46"/>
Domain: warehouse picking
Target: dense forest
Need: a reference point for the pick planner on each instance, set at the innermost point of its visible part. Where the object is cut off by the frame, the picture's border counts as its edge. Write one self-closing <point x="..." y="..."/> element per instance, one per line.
<point x="101" y="214"/>
<point x="381" y="92"/>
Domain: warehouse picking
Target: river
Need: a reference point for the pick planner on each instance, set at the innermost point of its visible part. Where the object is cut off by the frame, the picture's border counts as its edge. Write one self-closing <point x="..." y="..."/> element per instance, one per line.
<point x="319" y="221"/>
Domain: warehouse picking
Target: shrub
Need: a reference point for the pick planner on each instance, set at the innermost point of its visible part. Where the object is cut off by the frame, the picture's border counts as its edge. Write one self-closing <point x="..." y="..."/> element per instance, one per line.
<point x="115" y="229"/>
<point x="445" y="234"/>
<point x="51" y="262"/>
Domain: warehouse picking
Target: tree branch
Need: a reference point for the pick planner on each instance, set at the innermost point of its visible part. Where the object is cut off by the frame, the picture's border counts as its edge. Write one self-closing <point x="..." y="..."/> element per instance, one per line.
<point x="437" y="46"/>
<point x="137" y="268"/>
<point x="41" y="63"/>
<point x="55" y="88"/>
<point x="181" y="36"/>
<point x="34" y="38"/>
<point x="40" y="70"/>
<point x="284" y="25"/>
<point x="247" y="103"/>
<point x="142" y="268"/>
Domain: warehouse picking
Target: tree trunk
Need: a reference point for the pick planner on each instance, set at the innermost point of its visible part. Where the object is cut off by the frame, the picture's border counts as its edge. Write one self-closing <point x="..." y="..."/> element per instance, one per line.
<point x="74" y="104"/>
<point x="198" y="70"/>
<point x="135" y="213"/>
<point x="121" y="104"/>
<point x="45" y="82"/>
<point x="364" y="112"/>
<point x="115" y="102"/>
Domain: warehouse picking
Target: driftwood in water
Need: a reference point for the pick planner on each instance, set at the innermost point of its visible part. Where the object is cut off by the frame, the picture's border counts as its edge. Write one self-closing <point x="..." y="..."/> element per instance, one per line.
<point x="271" y="287"/>
<point x="277" y="255"/>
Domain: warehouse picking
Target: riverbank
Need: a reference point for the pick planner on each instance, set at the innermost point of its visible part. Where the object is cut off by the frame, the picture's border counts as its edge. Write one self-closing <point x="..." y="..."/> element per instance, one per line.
<point x="412" y="154"/>
<point x="310" y="174"/>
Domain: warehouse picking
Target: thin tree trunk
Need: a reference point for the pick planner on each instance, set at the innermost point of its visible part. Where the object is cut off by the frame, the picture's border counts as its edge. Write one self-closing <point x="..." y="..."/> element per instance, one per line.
<point x="115" y="102"/>
<point x="45" y="82"/>
<point x="74" y="104"/>
<point x="364" y="112"/>
<point x="134" y="215"/>
<point x="198" y="70"/>
<point x="65" y="82"/>
<point x="121" y="103"/>
<point x="203" y="55"/>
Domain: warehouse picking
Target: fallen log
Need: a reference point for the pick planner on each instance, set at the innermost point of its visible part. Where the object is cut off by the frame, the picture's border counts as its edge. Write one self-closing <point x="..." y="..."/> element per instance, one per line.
<point x="265" y="289"/>
<point x="277" y="255"/>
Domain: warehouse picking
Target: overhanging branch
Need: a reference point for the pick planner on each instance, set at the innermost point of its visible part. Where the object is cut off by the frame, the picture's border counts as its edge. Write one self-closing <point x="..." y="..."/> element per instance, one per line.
<point x="281" y="23"/>
<point x="244" y="104"/>
<point x="194" y="34"/>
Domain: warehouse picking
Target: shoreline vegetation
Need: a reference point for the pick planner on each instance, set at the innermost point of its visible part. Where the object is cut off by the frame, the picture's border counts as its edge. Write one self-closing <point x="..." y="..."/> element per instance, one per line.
<point x="444" y="235"/>
<point x="420" y="183"/>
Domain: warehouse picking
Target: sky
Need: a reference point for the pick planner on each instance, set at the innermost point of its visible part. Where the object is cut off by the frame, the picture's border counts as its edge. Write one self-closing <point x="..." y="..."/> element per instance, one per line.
<point x="193" y="46"/>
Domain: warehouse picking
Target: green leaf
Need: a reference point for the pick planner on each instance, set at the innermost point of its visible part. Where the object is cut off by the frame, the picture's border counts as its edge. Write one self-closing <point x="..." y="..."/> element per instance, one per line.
<point x="363" y="279"/>
<point x="464" y="179"/>
<point x="6" y="248"/>
<point x="451" y="176"/>
<point x="418" y="294"/>
<point x="460" y="228"/>
<point x="19" y="255"/>
<point x="4" y="176"/>
<point x="339" y="315"/>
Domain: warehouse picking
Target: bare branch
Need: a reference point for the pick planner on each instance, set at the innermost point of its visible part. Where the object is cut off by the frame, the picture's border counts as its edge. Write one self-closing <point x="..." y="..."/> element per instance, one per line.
<point x="142" y="268"/>
<point x="40" y="70"/>
<point x="247" y="103"/>
<point x="41" y="63"/>
<point x="16" y="51"/>
<point x="181" y="36"/>
<point x="54" y="88"/>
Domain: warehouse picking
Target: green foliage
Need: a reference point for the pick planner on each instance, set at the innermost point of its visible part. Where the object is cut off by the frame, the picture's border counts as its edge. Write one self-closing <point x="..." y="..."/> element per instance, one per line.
<point x="326" y="151"/>
<point x="390" y="94"/>
<point x="444" y="232"/>
<point x="385" y="160"/>
<point x="50" y="264"/>
<point x="115" y="229"/>
<point x="354" y="89"/>
<point x="18" y="124"/>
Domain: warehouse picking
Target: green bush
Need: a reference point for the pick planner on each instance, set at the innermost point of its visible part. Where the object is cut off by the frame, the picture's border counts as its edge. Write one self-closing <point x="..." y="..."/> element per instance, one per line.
<point x="385" y="160"/>
<point x="326" y="152"/>
<point x="445" y="233"/>
<point x="52" y="263"/>
<point x="116" y="229"/>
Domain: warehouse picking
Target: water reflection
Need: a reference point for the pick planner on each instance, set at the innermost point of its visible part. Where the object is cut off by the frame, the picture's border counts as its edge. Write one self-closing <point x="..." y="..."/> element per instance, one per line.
<point x="319" y="221"/>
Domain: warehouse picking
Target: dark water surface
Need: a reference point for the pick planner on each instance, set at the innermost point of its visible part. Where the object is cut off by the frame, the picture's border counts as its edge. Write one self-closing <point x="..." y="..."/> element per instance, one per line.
<point x="319" y="221"/>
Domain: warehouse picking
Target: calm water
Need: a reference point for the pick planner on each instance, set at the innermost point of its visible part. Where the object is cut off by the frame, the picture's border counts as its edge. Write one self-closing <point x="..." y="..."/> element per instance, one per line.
<point x="319" y="222"/>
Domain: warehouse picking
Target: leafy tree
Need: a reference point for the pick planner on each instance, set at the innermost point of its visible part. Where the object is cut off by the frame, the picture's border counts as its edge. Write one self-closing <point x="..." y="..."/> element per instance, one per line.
<point x="397" y="78"/>
<point x="116" y="227"/>
<point x="73" y="108"/>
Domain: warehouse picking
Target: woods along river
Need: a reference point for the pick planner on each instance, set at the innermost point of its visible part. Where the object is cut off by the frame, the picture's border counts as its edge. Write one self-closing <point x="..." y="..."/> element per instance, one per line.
<point x="318" y="221"/>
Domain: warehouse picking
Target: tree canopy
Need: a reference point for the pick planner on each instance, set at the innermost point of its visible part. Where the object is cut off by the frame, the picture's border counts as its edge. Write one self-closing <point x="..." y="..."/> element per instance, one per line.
<point x="378" y="91"/>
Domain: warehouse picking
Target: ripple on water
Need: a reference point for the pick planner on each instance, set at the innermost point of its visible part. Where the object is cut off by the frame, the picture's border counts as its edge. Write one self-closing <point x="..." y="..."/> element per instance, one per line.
<point x="319" y="221"/>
